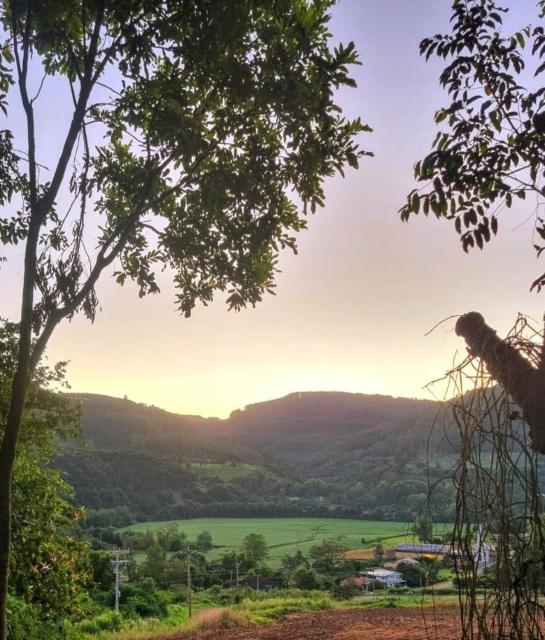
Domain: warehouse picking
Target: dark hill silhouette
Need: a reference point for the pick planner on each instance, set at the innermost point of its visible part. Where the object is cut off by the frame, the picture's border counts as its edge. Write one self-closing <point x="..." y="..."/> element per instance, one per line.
<point x="327" y="407"/>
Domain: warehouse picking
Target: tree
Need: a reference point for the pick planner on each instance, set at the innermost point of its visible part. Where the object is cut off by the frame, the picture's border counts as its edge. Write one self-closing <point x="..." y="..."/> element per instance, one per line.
<point x="489" y="155"/>
<point x="49" y="566"/>
<point x="294" y="561"/>
<point x="412" y="574"/>
<point x="155" y="563"/>
<point x="378" y="553"/>
<point x="204" y="541"/>
<point x="328" y="555"/>
<point x="196" y="129"/>
<point x="170" y="538"/>
<point x="304" y="577"/>
<point x="254" y="548"/>
<point x="422" y="529"/>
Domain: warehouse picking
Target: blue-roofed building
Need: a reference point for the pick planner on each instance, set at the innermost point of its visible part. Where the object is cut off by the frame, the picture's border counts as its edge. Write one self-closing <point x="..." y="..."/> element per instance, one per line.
<point x="424" y="547"/>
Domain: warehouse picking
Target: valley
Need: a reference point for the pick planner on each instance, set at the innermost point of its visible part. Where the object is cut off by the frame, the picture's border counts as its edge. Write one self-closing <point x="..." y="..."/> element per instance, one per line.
<point x="335" y="455"/>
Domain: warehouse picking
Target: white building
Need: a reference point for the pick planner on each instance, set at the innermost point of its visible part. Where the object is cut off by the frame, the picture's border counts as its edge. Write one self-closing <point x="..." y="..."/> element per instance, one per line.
<point x="384" y="577"/>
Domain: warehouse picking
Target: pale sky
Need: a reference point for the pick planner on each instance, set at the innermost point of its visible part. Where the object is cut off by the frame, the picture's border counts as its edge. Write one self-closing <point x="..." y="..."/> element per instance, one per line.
<point x="352" y="309"/>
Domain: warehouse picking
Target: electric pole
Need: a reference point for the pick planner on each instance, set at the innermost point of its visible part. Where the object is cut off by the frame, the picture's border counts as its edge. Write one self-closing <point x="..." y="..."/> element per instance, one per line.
<point x="119" y="566"/>
<point x="189" y="601"/>
<point x="237" y="574"/>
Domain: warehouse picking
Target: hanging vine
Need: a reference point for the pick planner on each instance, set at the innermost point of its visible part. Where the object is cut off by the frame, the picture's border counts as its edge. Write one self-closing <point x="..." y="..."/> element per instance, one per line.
<point x="498" y="538"/>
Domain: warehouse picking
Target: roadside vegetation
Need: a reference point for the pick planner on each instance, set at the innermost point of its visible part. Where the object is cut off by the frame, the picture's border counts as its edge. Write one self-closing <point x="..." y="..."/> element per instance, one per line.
<point x="254" y="609"/>
<point x="240" y="587"/>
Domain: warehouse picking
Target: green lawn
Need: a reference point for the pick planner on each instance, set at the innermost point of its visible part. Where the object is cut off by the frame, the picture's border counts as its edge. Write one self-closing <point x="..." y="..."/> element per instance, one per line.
<point x="287" y="535"/>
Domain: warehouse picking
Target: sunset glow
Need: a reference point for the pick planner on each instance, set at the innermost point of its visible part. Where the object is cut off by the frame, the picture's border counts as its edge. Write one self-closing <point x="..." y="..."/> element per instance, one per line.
<point x="352" y="309"/>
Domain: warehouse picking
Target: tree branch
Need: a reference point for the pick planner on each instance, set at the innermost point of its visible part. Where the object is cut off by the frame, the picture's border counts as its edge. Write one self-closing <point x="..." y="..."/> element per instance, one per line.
<point x="22" y="73"/>
<point x="103" y="259"/>
<point x="79" y="112"/>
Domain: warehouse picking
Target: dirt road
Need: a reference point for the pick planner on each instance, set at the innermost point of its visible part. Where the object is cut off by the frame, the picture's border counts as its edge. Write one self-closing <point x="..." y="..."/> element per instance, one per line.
<point x="349" y="624"/>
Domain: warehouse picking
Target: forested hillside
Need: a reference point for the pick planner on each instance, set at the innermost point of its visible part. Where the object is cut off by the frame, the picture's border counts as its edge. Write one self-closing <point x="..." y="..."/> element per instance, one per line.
<point x="304" y="454"/>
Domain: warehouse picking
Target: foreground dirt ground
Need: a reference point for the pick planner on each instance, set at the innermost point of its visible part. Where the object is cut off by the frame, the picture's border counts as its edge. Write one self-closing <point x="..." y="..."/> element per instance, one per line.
<point x="441" y="623"/>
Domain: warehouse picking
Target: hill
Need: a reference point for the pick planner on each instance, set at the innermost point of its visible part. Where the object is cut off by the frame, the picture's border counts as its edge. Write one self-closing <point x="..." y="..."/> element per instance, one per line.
<point x="325" y="453"/>
<point x="318" y="429"/>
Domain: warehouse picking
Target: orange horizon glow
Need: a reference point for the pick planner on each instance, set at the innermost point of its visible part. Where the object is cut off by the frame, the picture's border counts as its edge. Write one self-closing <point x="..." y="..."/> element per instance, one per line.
<point x="352" y="309"/>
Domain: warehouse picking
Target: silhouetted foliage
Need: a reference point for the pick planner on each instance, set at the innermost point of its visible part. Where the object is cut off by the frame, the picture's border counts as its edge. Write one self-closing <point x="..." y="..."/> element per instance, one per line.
<point x="489" y="151"/>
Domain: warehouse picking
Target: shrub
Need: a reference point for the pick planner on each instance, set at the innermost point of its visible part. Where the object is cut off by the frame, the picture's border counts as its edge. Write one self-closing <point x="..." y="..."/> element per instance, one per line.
<point x="142" y="599"/>
<point x="304" y="578"/>
<point x="24" y="622"/>
<point x="107" y="621"/>
<point x="344" y="591"/>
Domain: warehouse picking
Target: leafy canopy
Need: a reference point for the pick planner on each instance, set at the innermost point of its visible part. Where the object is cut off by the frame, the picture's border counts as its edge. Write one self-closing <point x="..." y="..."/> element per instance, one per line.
<point x="490" y="150"/>
<point x="254" y="548"/>
<point x="202" y="131"/>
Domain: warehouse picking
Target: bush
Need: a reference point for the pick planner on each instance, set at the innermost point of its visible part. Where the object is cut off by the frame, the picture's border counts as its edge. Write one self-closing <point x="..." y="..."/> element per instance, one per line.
<point x="344" y="591"/>
<point x="107" y="621"/>
<point x="142" y="599"/>
<point x="24" y="622"/>
<point x="304" y="578"/>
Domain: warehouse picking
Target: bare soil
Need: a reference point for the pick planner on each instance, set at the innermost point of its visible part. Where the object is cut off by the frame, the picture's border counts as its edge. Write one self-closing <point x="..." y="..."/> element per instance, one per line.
<point x="441" y="623"/>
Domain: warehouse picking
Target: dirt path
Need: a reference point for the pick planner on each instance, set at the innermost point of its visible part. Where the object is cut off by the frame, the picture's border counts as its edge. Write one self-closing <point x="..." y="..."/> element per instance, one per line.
<point x="348" y="624"/>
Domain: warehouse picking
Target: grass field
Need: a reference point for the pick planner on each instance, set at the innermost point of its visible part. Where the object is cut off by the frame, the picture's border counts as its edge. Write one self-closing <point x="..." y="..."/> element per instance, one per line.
<point x="226" y="472"/>
<point x="287" y="535"/>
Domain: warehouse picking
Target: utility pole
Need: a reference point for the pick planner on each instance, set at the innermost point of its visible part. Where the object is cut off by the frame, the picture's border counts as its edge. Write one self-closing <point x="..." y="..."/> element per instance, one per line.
<point x="257" y="582"/>
<point x="120" y="563"/>
<point x="237" y="573"/>
<point x="189" y="599"/>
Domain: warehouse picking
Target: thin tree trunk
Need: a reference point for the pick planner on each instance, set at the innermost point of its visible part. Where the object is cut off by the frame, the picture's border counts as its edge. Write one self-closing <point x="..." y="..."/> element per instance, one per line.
<point x="8" y="448"/>
<point x="7" y="459"/>
<point x="506" y="365"/>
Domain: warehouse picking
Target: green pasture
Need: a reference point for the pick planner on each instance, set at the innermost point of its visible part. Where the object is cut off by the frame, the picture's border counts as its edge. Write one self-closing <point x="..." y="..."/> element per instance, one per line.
<point x="225" y="472"/>
<point x="287" y="535"/>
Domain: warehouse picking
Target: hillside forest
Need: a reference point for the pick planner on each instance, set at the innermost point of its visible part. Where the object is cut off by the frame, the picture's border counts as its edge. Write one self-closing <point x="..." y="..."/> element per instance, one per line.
<point x="315" y="454"/>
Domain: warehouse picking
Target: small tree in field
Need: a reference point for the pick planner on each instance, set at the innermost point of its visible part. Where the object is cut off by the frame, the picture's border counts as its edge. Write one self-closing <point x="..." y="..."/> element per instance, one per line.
<point x="200" y="132"/>
<point x="422" y="529"/>
<point x="254" y="548"/>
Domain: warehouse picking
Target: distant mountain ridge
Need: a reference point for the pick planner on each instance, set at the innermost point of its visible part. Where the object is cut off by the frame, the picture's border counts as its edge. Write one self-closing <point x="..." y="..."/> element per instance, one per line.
<point x="311" y="452"/>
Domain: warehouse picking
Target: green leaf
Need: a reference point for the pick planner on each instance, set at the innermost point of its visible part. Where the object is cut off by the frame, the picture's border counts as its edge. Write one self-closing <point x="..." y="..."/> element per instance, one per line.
<point x="415" y="202"/>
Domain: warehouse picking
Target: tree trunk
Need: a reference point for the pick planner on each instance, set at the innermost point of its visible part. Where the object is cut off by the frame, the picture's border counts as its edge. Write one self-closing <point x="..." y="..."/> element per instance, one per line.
<point x="508" y="367"/>
<point x="7" y="459"/>
<point x="19" y="388"/>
